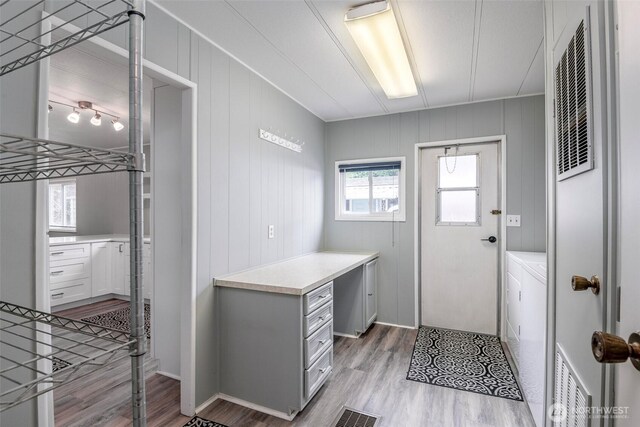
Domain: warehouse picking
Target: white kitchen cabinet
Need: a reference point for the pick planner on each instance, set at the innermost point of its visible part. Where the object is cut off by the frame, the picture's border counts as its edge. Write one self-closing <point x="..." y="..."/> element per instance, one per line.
<point x="101" y="269"/>
<point x="93" y="268"/>
<point x="69" y="273"/>
<point x="147" y="279"/>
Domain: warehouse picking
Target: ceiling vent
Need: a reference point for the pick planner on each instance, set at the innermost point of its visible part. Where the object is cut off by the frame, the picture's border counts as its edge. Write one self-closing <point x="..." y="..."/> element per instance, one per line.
<point x="574" y="140"/>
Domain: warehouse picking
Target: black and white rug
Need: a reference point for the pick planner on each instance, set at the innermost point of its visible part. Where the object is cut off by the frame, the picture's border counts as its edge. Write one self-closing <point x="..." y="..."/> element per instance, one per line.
<point x="59" y="363"/>
<point x="201" y="422"/>
<point x="119" y="319"/>
<point x="464" y="361"/>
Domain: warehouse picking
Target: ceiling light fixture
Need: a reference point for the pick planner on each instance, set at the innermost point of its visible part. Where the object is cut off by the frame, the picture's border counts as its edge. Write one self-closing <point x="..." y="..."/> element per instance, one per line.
<point x="74" y="117"/>
<point x="96" y="120"/>
<point x="375" y="30"/>
<point x="117" y="125"/>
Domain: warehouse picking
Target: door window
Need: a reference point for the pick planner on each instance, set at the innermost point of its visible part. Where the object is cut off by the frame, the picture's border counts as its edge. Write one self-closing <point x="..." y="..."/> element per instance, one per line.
<point x="458" y="192"/>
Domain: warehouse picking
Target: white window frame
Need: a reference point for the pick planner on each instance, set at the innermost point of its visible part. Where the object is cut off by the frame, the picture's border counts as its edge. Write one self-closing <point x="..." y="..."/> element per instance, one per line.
<point x="399" y="216"/>
<point x="56" y="228"/>
<point x="439" y="191"/>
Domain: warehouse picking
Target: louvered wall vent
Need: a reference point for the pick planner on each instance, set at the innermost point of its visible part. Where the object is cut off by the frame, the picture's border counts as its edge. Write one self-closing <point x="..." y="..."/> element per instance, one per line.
<point x="570" y="395"/>
<point x="574" y="148"/>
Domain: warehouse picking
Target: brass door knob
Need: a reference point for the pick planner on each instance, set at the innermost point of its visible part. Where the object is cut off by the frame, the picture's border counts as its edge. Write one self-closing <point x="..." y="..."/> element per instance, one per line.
<point x="579" y="283"/>
<point x="608" y="348"/>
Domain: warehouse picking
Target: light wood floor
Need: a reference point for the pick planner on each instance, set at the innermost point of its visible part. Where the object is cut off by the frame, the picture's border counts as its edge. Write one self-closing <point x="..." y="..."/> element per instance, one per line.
<point x="369" y="374"/>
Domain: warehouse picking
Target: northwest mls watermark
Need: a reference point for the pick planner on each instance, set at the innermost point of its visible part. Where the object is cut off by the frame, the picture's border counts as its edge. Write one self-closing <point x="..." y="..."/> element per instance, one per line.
<point x="559" y="412"/>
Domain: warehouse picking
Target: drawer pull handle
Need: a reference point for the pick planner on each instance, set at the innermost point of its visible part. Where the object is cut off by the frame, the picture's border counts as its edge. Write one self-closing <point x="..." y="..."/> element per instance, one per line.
<point x="323" y="296"/>
<point x="58" y="295"/>
<point x="323" y="370"/>
<point x="57" y="253"/>
<point x="370" y="295"/>
<point x="56" y="273"/>
<point x="321" y="318"/>
<point x="322" y="341"/>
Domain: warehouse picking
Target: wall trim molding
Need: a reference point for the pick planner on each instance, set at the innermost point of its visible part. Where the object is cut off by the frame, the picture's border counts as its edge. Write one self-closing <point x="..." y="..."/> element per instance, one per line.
<point x="255" y="407"/>
<point x="395" y="325"/>
<point x="169" y="375"/>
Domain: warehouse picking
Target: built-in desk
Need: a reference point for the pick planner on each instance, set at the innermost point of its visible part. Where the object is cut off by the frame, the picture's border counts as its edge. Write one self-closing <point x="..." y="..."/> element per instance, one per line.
<point x="276" y="326"/>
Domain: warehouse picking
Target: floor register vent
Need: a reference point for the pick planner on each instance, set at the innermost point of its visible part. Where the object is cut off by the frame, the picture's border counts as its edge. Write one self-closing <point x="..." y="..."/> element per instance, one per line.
<point x="351" y="418"/>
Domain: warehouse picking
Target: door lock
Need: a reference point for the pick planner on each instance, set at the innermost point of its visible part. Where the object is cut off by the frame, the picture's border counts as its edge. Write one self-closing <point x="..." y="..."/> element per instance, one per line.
<point x="490" y="239"/>
<point x="579" y="283"/>
<point x="609" y="348"/>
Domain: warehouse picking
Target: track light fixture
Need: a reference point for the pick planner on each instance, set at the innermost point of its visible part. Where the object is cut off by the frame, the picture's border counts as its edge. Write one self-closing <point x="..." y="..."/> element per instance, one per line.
<point x="117" y="125"/>
<point x="74" y="117"/>
<point x="96" y="119"/>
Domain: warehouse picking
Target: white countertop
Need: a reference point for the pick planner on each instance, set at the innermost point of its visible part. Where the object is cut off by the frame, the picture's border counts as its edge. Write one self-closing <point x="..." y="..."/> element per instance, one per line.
<point x="297" y="276"/>
<point x="533" y="262"/>
<point x="71" y="240"/>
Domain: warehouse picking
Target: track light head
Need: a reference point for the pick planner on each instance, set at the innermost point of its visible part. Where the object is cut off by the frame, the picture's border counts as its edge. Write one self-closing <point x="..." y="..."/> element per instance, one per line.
<point x="96" y="120"/>
<point x="117" y="125"/>
<point x="49" y="109"/>
<point x="74" y="117"/>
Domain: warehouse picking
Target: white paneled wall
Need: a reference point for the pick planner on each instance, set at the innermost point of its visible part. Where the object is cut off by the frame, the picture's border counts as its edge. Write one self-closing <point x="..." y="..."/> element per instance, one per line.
<point x="521" y="119"/>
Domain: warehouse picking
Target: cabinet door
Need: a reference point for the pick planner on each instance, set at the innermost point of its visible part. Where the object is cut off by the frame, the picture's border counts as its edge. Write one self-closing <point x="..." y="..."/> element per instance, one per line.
<point x="100" y="269"/>
<point x="118" y="284"/>
<point x="371" y="291"/>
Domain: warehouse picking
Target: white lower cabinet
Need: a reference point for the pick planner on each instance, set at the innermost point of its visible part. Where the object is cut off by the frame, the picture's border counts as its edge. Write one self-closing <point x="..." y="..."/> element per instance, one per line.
<point x="82" y="271"/>
<point x="101" y="269"/>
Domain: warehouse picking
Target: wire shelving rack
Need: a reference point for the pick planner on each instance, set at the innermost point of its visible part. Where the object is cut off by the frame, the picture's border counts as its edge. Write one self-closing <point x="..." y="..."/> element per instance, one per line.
<point x="42" y="351"/>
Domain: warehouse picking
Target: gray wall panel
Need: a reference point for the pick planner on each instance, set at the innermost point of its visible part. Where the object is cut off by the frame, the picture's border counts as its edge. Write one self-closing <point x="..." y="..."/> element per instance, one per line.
<point x="396" y="135"/>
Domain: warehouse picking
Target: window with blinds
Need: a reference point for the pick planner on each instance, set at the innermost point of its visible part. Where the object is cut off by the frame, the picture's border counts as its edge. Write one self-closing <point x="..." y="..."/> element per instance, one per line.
<point x="370" y="190"/>
<point x="574" y="150"/>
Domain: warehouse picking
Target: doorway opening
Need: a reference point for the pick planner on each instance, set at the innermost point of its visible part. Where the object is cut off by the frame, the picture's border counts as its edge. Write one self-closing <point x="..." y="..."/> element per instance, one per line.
<point x="84" y="223"/>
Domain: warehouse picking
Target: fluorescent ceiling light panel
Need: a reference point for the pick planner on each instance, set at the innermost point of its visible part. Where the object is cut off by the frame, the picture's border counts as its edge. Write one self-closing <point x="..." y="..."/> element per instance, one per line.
<point x="375" y="30"/>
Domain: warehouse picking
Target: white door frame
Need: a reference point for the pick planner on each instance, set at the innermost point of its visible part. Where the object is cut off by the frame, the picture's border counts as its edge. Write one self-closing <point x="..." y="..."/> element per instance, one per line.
<point x="188" y="302"/>
<point x="502" y="197"/>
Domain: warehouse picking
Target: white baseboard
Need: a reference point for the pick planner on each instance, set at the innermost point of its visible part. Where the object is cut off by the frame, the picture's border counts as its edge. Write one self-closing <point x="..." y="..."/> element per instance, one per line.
<point x="345" y="335"/>
<point x="258" y="408"/>
<point x="167" y="374"/>
<point x="396" y="326"/>
<point x="207" y="403"/>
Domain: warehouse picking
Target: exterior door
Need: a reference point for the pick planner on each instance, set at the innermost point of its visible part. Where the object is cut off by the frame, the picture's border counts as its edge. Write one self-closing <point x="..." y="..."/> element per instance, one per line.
<point x="459" y="278"/>
<point x="627" y="378"/>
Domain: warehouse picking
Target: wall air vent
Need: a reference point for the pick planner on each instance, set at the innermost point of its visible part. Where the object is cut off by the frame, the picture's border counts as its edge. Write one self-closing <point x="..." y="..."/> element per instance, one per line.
<point x="571" y="398"/>
<point x="574" y="147"/>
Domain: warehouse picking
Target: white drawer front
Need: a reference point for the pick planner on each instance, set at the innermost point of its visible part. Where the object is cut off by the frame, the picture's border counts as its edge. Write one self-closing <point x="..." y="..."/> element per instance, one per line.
<point x="61" y="252"/>
<point x="69" y="269"/>
<point x="318" y="297"/>
<point x="315" y="376"/>
<point x="317" y="344"/>
<point x="315" y="320"/>
<point x="72" y="291"/>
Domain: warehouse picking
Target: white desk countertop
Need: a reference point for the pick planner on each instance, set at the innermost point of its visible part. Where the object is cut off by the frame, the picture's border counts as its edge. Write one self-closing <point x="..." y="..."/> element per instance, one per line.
<point x="297" y="276"/>
<point x="72" y="240"/>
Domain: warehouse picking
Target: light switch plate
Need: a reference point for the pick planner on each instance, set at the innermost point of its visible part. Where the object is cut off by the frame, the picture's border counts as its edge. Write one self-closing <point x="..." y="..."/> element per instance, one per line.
<point x="272" y="231"/>
<point x="513" y="220"/>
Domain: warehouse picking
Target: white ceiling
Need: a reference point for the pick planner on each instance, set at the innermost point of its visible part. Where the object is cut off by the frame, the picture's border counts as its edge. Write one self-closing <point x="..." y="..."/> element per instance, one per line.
<point x="78" y="74"/>
<point x="460" y="51"/>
